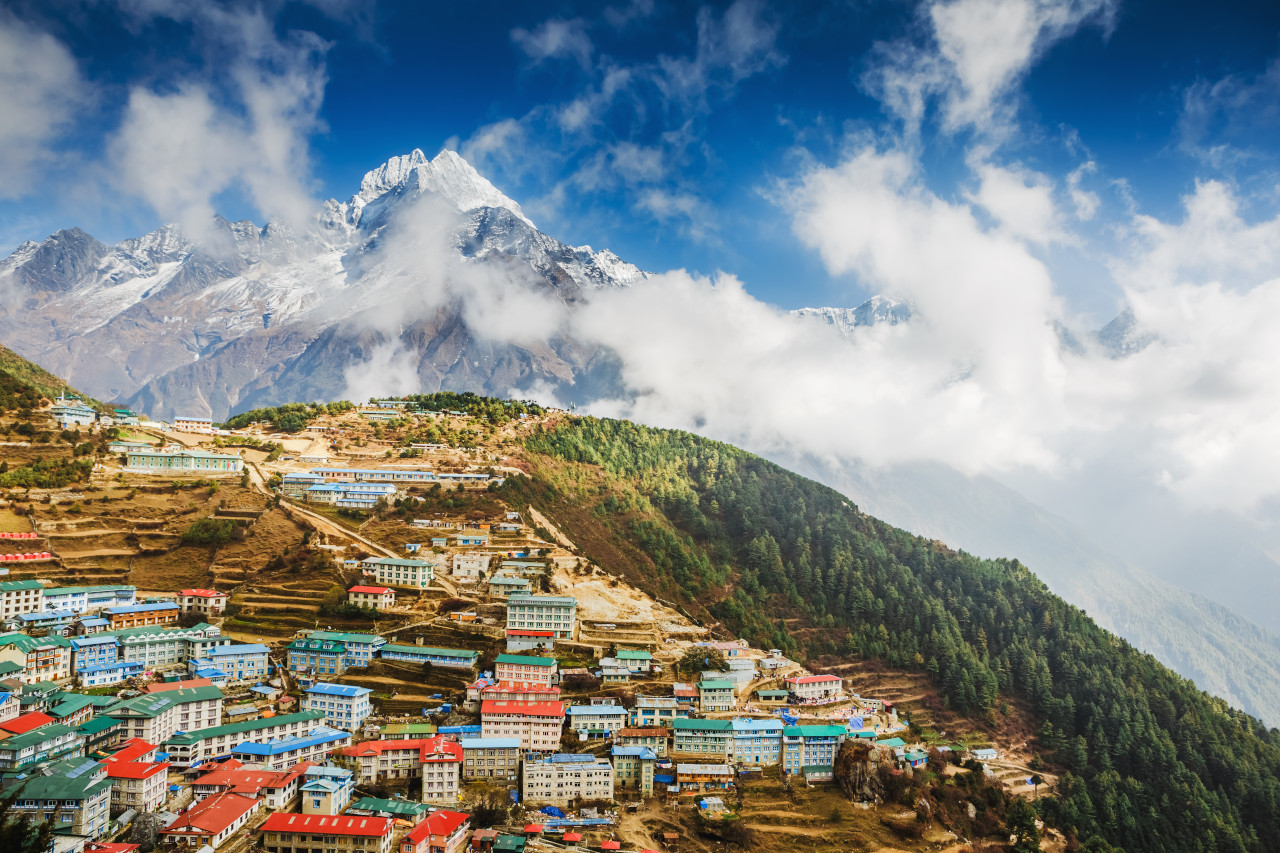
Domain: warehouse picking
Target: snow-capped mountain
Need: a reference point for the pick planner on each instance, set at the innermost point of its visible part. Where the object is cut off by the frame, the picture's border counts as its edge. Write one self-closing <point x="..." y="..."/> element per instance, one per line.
<point x="250" y="314"/>
<point x="876" y="310"/>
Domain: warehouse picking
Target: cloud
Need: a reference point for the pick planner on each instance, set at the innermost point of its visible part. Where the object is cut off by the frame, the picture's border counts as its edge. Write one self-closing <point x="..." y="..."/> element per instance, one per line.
<point x="388" y="370"/>
<point x="41" y="91"/>
<point x="968" y="56"/>
<point x="556" y="39"/>
<point x="1232" y="120"/>
<point x="1020" y="201"/>
<point x="179" y="146"/>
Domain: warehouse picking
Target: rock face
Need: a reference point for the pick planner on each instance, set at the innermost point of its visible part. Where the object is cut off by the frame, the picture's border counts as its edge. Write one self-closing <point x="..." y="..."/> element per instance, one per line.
<point x="249" y="315"/>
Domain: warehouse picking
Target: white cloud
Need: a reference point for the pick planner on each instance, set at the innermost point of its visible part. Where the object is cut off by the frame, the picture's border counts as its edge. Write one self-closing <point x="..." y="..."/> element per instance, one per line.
<point x="1021" y="201"/>
<point x="556" y="39"/>
<point x="41" y="89"/>
<point x="1085" y="201"/>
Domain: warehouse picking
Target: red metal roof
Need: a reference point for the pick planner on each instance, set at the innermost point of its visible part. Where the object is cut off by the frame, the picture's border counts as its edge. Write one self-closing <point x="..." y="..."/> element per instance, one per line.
<point x="533" y="827"/>
<point x="26" y="722"/>
<point x="202" y="593"/>
<point x="519" y="632"/>
<point x="371" y="590"/>
<point x="329" y="824"/>
<point x="611" y="845"/>
<point x="165" y="686"/>
<point x="213" y="814"/>
<point x="572" y="836"/>
<point x="443" y="823"/>
<point x="430" y="750"/>
<point x="810" y="679"/>
<point x="527" y="709"/>
<point x="135" y="769"/>
<point x="131" y="750"/>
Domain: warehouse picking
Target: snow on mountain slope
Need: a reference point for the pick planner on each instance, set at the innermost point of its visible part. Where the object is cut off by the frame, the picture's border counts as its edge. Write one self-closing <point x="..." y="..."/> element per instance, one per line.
<point x="876" y="310"/>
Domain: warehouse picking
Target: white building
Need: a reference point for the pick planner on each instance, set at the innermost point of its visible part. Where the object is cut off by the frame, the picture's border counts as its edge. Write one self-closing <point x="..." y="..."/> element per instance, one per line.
<point x="190" y="424"/>
<point x="470" y="567"/>
<point x="816" y="686"/>
<point x="21" y="597"/>
<point x="208" y="602"/>
<point x="557" y="779"/>
<point x="537" y="724"/>
<point x="392" y="571"/>
<point x="377" y="597"/>
<point x="345" y="706"/>
<point x="544" y="613"/>
<point x="88" y="599"/>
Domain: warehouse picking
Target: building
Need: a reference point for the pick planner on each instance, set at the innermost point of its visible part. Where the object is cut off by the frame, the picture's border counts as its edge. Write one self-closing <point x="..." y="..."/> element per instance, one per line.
<point x="296" y="833"/>
<point x="155" y="717"/>
<point x="816" y="686"/>
<point x="756" y="742"/>
<point x="408" y="731"/>
<point x="633" y="769"/>
<point x="694" y="779"/>
<point x="537" y="724"/>
<point x="452" y="658"/>
<point x="395" y="808"/>
<point x="639" y="662"/>
<point x="326" y="790"/>
<point x="804" y="746"/>
<point x="655" y="738"/>
<point x="593" y="722"/>
<point x="491" y="758"/>
<point x="108" y="674"/>
<point x="375" y="475"/>
<point x="483" y="689"/>
<point x="238" y="661"/>
<point x="375" y="597"/>
<point x="46" y="621"/>
<point x="40" y="658"/>
<point x="285" y="752"/>
<point x="505" y="586"/>
<point x="469" y="568"/>
<point x="652" y="711"/>
<point x="345" y="706"/>
<point x="278" y="790"/>
<point x="10" y="707"/>
<point x="184" y="423"/>
<point x="94" y="650"/>
<point x="703" y="738"/>
<point x="207" y="602"/>
<point x="527" y="669"/>
<point x="44" y="743"/>
<point x="393" y="571"/>
<point x="88" y="599"/>
<point x="441" y="831"/>
<point x="716" y="696"/>
<point x="332" y="652"/>
<point x="211" y="821"/>
<point x="158" y="646"/>
<point x="555" y="780"/>
<point x="296" y="483"/>
<point x="139" y="615"/>
<point x="20" y="597"/>
<point x="350" y="495"/>
<point x="558" y="614"/>
<point x="138" y="785"/>
<point x="437" y="761"/>
<point x="163" y="461"/>
<point x="189" y="747"/>
<point x="530" y="641"/>
<point x="71" y="412"/>
<point x="73" y="794"/>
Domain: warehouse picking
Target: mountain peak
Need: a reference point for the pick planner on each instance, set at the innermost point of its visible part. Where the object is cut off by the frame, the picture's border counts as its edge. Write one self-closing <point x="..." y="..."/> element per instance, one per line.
<point x="448" y="175"/>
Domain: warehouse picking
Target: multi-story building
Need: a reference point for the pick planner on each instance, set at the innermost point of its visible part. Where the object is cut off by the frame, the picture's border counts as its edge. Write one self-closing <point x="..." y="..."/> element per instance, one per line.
<point x="358" y="649"/>
<point x="716" y="696"/>
<point x="345" y="706"/>
<point x="376" y="597"/>
<point x="633" y="769"/>
<point x="169" y="462"/>
<point x="816" y="686"/>
<point x="139" y="785"/>
<point x="441" y="831"/>
<point x="702" y="738"/>
<point x="807" y="746"/>
<point x="317" y="658"/>
<point x="296" y="833"/>
<point x="190" y="423"/>
<point x="654" y="737"/>
<point x="158" y="646"/>
<point x="519" y="640"/>
<point x="453" y="658"/>
<point x="108" y="674"/>
<point x="638" y="661"/>
<point x="491" y="758"/>
<point x="756" y="742"/>
<point x="155" y="717"/>
<point x="437" y="761"/>
<point x="694" y="779"/>
<point x="237" y="661"/>
<point x="295" y="483"/>
<point x="537" y="724"/>
<point x="89" y="599"/>
<point x="189" y="747"/>
<point x="526" y="669"/>
<point x="74" y="794"/>
<point x="277" y="789"/>
<point x="281" y="753"/>
<point x="140" y="615"/>
<point x="555" y="780"/>
<point x="20" y="597"/>
<point x="44" y="743"/>
<point x="10" y="706"/>
<point x="393" y="571"/>
<point x="211" y="821"/>
<point x="375" y="475"/>
<point x="469" y="568"/>
<point x="207" y="602"/>
<point x="544" y="613"/>
<point x="657" y="711"/>
<point x="350" y="495"/>
<point x="93" y="650"/>
<point x="596" y="721"/>
<point x="505" y="586"/>
<point x="41" y="658"/>
<point x="327" y="790"/>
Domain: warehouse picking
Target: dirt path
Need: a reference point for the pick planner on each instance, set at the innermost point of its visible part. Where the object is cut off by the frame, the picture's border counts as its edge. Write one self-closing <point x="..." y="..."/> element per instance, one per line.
<point x="545" y="523"/>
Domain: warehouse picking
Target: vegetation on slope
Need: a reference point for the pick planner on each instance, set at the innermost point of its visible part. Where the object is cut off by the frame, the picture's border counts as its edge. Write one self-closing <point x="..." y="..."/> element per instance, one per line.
<point x="289" y="417"/>
<point x="22" y="378"/>
<point x="1151" y="762"/>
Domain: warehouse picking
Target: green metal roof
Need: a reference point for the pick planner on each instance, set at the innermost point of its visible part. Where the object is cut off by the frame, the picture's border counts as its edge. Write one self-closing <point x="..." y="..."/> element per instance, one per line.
<point x="241" y="728"/>
<point x="68" y="703"/>
<point x="35" y="737"/>
<point x="154" y="704"/>
<point x="814" y="731"/>
<point x="27" y="644"/>
<point x="715" y="685"/>
<point x="97" y="725"/>
<point x="69" y="590"/>
<point x="525" y="660"/>
<point x="633" y="654"/>
<point x="428" y="650"/>
<point x="893" y="742"/>
<point x="341" y="637"/>
<point x="702" y="725"/>
<point x="8" y="586"/>
<point x="395" y="807"/>
<point x="409" y="728"/>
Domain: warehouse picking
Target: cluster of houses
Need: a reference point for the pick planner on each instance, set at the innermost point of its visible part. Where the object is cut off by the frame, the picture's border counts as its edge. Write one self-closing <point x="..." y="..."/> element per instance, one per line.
<point x="362" y="488"/>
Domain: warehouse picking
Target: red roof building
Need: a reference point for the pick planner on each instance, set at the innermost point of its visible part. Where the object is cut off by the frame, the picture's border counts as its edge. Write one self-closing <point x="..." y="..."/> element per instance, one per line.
<point x="371" y="590"/>
<point x="205" y="601"/>
<point x="537" y="724"/>
<point x="279" y="789"/>
<point x="26" y="722"/>
<point x="134" y="749"/>
<point x="440" y="832"/>
<point x="212" y="820"/>
<point x="293" y="833"/>
<point x="377" y="760"/>
<point x="165" y="686"/>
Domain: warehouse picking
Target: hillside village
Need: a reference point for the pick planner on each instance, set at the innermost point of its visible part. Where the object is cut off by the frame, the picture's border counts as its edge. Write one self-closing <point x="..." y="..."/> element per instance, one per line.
<point x="253" y="639"/>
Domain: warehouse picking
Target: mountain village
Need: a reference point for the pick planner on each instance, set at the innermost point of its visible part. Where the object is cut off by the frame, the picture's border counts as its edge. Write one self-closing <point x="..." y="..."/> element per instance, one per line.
<point x="458" y="664"/>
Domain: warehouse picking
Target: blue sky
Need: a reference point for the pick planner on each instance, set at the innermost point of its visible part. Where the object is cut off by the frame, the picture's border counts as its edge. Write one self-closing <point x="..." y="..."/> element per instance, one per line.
<point x="715" y="111"/>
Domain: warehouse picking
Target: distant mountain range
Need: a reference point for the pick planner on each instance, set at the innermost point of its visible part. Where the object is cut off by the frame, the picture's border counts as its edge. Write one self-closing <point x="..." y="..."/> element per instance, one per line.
<point x="250" y="316"/>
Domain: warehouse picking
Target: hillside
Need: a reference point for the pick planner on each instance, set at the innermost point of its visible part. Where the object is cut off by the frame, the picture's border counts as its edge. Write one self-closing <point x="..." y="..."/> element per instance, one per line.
<point x="1151" y="762"/>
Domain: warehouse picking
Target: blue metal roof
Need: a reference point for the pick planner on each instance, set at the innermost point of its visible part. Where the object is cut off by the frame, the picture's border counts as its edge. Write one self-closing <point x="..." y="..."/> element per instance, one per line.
<point x="611" y="710"/>
<point x="138" y="608"/>
<point x="238" y="649"/>
<point x="325" y="688"/>
<point x="321" y="734"/>
<point x="635" y="752"/>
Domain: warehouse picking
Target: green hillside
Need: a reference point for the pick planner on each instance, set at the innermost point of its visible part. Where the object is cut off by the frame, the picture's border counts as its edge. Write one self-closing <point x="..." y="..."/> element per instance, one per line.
<point x="17" y="375"/>
<point x="1151" y="762"/>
